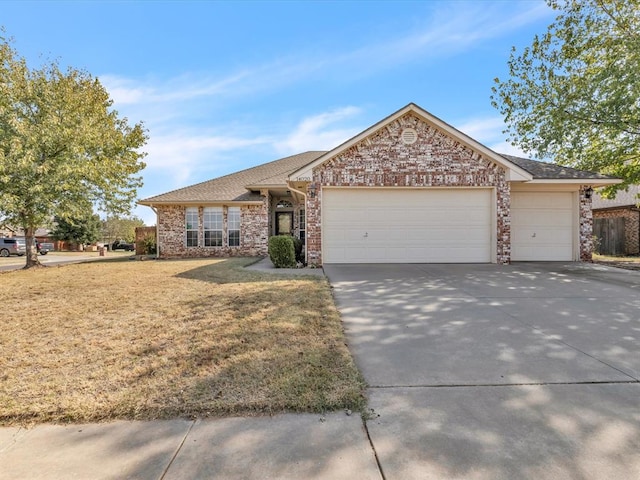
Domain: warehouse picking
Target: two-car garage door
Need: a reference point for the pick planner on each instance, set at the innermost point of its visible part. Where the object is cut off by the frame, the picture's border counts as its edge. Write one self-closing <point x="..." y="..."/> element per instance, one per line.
<point x="455" y="225"/>
<point x="370" y="225"/>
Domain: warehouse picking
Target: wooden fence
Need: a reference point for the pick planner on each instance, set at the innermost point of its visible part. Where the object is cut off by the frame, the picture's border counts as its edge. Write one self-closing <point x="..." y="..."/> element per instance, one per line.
<point x="141" y="234"/>
<point x="609" y="233"/>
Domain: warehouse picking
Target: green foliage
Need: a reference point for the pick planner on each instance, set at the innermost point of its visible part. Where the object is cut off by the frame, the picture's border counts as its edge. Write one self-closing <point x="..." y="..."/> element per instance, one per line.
<point x="297" y="246"/>
<point x="149" y="246"/>
<point x="81" y="230"/>
<point x="282" y="252"/>
<point x="574" y="94"/>
<point x="63" y="149"/>
<point x="121" y="228"/>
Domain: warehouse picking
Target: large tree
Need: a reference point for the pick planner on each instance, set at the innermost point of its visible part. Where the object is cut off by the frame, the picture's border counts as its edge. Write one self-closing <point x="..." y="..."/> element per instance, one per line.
<point x="80" y="230"/>
<point x="63" y="149"/>
<point x="574" y="95"/>
<point x="121" y="228"/>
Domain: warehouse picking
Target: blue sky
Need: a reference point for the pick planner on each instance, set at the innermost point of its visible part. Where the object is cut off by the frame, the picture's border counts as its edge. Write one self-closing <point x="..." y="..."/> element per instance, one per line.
<point x="223" y="86"/>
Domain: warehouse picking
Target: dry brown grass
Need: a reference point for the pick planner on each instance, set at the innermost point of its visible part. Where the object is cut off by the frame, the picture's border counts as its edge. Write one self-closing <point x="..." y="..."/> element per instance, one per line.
<point x="626" y="262"/>
<point x="159" y="339"/>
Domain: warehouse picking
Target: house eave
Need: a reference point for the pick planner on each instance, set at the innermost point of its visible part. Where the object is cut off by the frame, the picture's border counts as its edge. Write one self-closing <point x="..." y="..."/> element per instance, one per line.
<point x="270" y="186"/>
<point x="593" y="182"/>
<point x="616" y="207"/>
<point x="201" y="202"/>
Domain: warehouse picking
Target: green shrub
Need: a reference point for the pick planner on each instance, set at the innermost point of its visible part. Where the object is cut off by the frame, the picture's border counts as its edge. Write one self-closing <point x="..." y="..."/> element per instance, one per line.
<point x="297" y="246"/>
<point x="149" y="244"/>
<point x="282" y="252"/>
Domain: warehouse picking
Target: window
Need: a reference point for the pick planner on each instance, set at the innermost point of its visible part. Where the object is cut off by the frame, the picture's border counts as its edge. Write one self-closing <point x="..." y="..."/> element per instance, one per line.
<point x="284" y="204"/>
<point x="301" y="225"/>
<point x="191" y="224"/>
<point x="233" y="224"/>
<point x="212" y="223"/>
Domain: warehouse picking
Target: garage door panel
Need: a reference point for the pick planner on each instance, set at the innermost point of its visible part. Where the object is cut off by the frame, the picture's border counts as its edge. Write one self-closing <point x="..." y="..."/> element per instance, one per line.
<point x="542" y="226"/>
<point x="542" y="218"/>
<point x="394" y="226"/>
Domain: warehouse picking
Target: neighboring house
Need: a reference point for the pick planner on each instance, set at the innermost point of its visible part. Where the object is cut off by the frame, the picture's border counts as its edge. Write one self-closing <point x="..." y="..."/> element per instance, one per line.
<point x="411" y="188"/>
<point x="617" y="222"/>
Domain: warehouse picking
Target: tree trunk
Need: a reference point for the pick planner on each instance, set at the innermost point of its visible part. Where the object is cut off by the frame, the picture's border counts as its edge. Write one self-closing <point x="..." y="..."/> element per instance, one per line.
<point x="32" y="251"/>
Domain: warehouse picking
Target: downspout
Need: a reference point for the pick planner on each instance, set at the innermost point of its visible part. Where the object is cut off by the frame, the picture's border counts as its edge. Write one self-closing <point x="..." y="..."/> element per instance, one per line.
<point x="157" y="231"/>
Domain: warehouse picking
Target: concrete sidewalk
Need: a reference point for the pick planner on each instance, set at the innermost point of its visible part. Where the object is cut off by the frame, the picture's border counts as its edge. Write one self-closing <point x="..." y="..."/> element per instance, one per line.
<point x="333" y="446"/>
<point x="265" y="265"/>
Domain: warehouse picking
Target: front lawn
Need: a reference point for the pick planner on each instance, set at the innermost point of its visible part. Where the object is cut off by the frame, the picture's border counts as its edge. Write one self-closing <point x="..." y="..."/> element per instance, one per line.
<point x="159" y="339"/>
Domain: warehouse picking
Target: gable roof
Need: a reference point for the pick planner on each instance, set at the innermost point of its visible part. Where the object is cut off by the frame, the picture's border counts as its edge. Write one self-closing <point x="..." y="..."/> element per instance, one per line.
<point x="244" y="186"/>
<point x="233" y="187"/>
<point x="514" y="171"/>
<point x="551" y="171"/>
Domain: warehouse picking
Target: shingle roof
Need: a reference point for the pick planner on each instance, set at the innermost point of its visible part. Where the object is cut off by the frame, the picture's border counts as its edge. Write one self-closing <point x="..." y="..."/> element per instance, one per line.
<point x="623" y="198"/>
<point x="232" y="187"/>
<point x="551" y="171"/>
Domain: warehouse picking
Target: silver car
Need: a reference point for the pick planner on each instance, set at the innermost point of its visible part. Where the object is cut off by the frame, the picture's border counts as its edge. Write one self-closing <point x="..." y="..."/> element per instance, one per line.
<point x="12" y="246"/>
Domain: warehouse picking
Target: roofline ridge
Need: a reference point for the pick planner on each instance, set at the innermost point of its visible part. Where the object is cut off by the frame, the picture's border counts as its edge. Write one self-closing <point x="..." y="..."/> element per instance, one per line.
<point x="318" y="152"/>
<point x="229" y="175"/>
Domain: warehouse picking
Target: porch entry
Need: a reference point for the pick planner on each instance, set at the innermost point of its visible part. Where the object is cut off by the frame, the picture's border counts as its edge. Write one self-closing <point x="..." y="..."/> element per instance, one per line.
<point x="284" y="223"/>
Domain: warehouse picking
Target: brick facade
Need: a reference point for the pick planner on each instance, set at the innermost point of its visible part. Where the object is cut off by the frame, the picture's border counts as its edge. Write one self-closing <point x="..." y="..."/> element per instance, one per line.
<point x="384" y="160"/>
<point x="410" y="149"/>
<point x="586" y="226"/>
<point x="631" y="217"/>
<point x="254" y="228"/>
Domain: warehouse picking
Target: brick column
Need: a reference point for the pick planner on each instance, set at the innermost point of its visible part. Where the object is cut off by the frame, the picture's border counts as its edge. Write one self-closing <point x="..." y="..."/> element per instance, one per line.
<point x="586" y="226"/>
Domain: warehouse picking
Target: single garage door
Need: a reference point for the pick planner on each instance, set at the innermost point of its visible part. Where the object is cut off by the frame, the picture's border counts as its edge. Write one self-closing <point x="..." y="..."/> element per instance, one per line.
<point x="377" y="225"/>
<point x="542" y="226"/>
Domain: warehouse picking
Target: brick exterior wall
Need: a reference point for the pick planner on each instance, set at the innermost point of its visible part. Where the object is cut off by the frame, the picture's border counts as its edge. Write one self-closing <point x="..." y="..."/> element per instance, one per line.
<point x="631" y="217"/>
<point x="586" y="226"/>
<point x="254" y="228"/>
<point x="434" y="160"/>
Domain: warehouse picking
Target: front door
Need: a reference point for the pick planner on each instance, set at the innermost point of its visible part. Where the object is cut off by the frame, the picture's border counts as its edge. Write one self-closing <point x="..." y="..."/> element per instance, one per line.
<point x="284" y="223"/>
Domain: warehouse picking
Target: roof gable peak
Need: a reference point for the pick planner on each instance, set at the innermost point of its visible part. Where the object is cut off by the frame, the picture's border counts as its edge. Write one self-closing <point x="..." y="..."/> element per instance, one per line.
<point x="514" y="172"/>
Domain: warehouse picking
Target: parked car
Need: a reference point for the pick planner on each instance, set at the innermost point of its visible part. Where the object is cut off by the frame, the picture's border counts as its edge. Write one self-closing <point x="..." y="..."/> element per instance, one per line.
<point x="44" y="248"/>
<point x="119" y="245"/>
<point x="12" y="246"/>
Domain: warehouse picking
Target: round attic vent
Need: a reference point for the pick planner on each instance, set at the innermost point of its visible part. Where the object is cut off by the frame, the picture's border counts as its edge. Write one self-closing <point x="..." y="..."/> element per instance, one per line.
<point x="409" y="136"/>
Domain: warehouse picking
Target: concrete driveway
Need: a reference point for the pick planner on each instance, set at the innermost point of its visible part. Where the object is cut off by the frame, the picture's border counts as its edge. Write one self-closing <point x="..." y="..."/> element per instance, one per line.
<point x="486" y="372"/>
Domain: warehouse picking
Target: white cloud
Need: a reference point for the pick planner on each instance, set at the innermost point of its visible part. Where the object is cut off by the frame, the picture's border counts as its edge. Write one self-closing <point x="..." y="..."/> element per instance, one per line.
<point x="506" y="148"/>
<point x="124" y="91"/>
<point x="489" y="132"/>
<point x="484" y="129"/>
<point x="319" y="132"/>
<point x="450" y="30"/>
<point x="186" y="152"/>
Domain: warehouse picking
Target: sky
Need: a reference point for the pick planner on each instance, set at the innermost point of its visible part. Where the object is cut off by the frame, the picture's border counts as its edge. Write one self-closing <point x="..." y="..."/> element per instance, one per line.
<point x="224" y="86"/>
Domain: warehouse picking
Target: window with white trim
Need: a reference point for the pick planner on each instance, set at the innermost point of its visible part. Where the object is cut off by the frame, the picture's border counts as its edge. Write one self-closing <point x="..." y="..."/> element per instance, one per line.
<point x="191" y="226"/>
<point x="212" y="226"/>
<point x="233" y="226"/>
<point x="301" y="225"/>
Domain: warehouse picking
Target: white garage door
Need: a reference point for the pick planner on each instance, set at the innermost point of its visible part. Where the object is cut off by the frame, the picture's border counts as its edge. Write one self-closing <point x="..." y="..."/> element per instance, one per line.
<point x="542" y="226"/>
<point x="406" y="225"/>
